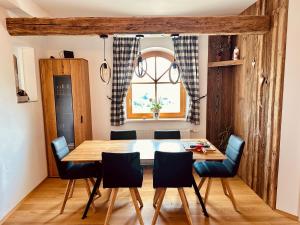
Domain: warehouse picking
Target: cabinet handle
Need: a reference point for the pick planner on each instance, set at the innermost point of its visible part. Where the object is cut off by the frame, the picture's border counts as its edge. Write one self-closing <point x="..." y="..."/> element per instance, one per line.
<point x="81" y="119"/>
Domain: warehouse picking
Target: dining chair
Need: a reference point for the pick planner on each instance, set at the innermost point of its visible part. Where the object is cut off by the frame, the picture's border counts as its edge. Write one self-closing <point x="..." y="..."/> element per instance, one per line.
<point x="123" y="135"/>
<point x="123" y="170"/>
<point x="72" y="172"/>
<point x="226" y="169"/>
<point x="166" y="175"/>
<point x="167" y="134"/>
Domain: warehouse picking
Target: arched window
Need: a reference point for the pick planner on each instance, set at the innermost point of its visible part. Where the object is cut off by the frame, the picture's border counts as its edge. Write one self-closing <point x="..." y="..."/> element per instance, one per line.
<point x="156" y="85"/>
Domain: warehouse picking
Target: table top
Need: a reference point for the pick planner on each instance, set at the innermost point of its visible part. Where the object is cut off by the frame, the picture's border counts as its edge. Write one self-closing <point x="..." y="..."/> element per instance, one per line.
<point x="92" y="150"/>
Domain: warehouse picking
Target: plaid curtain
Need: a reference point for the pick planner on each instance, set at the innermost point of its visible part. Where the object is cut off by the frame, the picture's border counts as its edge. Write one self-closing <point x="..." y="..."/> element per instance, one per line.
<point x="124" y="53"/>
<point x="186" y="53"/>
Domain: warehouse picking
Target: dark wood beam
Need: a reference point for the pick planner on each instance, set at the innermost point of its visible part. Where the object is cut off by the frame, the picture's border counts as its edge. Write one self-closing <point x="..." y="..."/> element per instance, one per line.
<point x="215" y="25"/>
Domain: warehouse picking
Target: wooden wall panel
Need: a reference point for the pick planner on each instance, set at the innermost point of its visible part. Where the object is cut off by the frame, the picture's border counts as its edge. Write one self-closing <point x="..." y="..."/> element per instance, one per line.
<point x="258" y="86"/>
<point x="219" y="123"/>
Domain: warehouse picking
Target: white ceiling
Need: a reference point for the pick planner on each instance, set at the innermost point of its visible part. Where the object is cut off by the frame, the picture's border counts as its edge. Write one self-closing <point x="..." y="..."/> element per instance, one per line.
<point x="68" y="8"/>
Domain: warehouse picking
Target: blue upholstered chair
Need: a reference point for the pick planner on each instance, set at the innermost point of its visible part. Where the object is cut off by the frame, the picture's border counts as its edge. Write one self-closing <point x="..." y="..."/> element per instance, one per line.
<point x="123" y="135"/>
<point x="226" y="169"/>
<point x="123" y="170"/>
<point x="167" y="134"/>
<point x="166" y="175"/>
<point x="72" y="172"/>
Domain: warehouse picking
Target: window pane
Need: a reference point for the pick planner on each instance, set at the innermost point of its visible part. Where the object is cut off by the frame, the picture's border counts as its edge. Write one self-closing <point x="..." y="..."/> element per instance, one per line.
<point x="169" y="95"/>
<point x="162" y="65"/>
<point x="141" y="93"/>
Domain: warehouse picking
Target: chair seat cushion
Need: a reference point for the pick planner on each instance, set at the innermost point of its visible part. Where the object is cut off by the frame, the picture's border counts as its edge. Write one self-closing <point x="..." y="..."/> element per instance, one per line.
<point x="211" y="169"/>
<point x="82" y="170"/>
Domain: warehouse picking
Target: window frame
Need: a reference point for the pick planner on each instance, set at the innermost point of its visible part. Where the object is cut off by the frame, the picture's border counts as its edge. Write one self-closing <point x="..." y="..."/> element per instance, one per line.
<point x="181" y="114"/>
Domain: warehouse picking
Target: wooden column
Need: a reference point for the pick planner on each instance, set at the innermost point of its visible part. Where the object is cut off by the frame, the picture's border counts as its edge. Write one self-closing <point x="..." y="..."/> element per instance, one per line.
<point x="258" y="87"/>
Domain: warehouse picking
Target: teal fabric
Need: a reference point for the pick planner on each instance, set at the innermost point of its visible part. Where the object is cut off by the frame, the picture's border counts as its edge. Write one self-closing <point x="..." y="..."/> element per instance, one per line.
<point x="172" y="170"/>
<point x="167" y="134"/>
<point x="69" y="170"/>
<point x="123" y="135"/>
<point x="122" y="170"/>
<point x="227" y="168"/>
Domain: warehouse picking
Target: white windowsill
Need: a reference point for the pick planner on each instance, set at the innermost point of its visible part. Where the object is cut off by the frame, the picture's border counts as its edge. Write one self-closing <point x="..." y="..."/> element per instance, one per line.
<point x="158" y="120"/>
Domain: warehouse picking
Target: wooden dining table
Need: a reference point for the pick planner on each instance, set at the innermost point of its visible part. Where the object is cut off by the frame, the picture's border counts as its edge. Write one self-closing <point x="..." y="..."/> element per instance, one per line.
<point x="91" y="151"/>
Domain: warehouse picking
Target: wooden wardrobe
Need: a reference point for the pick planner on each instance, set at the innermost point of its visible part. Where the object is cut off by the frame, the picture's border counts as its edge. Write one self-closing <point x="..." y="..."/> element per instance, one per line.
<point x="66" y="103"/>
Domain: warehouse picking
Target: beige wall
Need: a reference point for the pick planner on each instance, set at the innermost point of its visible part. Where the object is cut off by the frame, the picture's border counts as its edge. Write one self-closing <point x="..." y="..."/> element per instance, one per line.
<point x="91" y="48"/>
<point x="22" y="146"/>
<point x="289" y="162"/>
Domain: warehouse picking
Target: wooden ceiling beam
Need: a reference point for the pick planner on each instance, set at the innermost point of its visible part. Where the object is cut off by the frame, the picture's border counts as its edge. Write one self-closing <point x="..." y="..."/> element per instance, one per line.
<point x="215" y="25"/>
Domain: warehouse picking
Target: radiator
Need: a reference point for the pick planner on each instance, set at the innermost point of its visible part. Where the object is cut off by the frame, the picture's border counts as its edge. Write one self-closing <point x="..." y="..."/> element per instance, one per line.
<point x="149" y="134"/>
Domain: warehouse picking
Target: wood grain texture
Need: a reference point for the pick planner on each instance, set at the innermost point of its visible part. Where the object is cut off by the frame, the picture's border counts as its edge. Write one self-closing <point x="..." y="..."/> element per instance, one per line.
<point x="219" y="123"/>
<point x="91" y="150"/>
<point x="78" y="70"/>
<point x="225" y="63"/>
<point x="43" y="204"/>
<point x="134" y="25"/>
<point x="258" y="99"/>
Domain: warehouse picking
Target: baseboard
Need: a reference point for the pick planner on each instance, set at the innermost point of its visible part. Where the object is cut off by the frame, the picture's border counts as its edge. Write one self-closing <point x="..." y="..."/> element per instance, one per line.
<point x="293" y="217"/>
<point x="20" y="203"/>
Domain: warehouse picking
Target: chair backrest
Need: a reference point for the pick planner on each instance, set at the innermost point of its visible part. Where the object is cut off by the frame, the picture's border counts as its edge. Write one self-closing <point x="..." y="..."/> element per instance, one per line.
<point x="60" y="150"/>
<point x="121" y="170"/>
<point x="123" y="135"/>
<point x="234" y="153"/>
<point x="172" y="169"/>
<point x="167" y="134"/>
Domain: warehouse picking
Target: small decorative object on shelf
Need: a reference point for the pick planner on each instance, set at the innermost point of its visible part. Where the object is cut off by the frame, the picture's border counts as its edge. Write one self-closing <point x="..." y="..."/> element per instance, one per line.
<point x="219" y="55"/>
<point x="236" y="53"/>
<point x="155" y="107"/>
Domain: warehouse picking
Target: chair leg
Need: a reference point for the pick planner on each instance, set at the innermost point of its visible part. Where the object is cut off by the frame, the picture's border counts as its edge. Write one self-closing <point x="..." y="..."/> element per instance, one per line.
<point x="135" y="203"/>
<point x="162" y="193"/>
<point x="109" y="193"/>
<point x="93" y="183"/>
<point x="67" y="192"/>
<point x="88" y="191"/>
<point x="185" y="205"/>
<point x="114" y="193"/>
<point x="72" y="189"/>
<point x="230" y="194"/>
<point x="138" y="196"/>
<point x="156" y="195"/>
<point x="207" y="189"/>
<point x="201" y="182"/>
<point x="224" y="187"/>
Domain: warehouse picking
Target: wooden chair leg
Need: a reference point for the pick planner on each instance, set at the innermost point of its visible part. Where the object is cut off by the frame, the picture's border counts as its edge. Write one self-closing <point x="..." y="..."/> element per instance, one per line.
<point x="67" y="192"/>
<point x="156" y="195"/>
<point x="161" y="196"/>
<point x="138" y="196"/>
<point x="201" y="182"/>
<point x="135" y="203"/>
<point x="109" y="193"/>
<point x="88" y="191"/>
<point x="93" y="183"/>
<point x="72" y="189"/>
<point x="185" y="205"/>
<point x="207" y="190"/>
<point x="114" y="193"/>
<point x="230" y="194"/>
<point x="224" y="187"/>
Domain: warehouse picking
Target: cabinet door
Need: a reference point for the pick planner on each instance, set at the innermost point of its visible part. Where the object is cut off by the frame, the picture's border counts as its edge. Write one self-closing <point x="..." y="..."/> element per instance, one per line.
<point x="81" y="101"/>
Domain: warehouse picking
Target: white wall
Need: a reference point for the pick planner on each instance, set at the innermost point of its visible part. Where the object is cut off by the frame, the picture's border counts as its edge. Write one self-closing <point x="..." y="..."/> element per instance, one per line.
<point x="91" y="48"/>
<point x="289" y="161"/>
<point x="22" y="145"/>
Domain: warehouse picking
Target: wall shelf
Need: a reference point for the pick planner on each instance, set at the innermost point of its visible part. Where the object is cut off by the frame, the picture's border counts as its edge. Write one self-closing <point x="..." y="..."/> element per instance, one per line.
<point x="226" y="63"/>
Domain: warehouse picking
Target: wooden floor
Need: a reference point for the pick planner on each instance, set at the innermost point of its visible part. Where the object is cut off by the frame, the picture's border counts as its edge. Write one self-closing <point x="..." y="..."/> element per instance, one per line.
<point x="43" y="204"/>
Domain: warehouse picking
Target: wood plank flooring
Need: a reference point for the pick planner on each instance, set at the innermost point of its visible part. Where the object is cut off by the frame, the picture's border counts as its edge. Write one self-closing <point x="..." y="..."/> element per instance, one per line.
<point x="43" y="204"/>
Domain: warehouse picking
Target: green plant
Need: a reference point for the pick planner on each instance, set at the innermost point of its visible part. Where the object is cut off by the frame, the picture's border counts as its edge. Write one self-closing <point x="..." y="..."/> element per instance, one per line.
<point x="155" y="106"/>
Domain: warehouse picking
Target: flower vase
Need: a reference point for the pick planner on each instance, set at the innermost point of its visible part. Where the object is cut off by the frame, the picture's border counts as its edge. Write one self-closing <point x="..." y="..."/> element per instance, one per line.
<point x="156" y="115"/>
